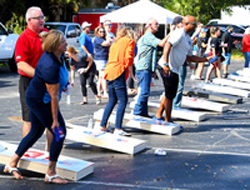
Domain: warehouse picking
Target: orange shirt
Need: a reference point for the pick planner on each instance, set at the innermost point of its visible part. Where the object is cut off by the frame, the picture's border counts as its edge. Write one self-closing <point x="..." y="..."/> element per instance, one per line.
<point x="121" y="55"/>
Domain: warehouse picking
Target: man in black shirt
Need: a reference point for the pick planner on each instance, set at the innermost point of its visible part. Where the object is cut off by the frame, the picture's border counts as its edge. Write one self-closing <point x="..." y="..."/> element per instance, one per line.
<point x="226" y="42"/>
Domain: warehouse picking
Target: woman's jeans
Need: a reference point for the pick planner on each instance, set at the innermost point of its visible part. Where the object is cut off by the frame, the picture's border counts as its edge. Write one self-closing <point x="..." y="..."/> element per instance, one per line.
<point x="117" y="91"/>
<point x="41" y="118"/>
<point x="247" y="58"/>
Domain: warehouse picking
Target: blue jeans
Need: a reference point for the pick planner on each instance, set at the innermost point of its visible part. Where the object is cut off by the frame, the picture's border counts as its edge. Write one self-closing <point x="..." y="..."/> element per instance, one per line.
<point x="182" y="76"/>
<point x="227" y="57"/>
<point x="141" y="107"/>
<point x="117" y="91"/>
<point x="247" y="58"/>
<point x="41" y="118"/>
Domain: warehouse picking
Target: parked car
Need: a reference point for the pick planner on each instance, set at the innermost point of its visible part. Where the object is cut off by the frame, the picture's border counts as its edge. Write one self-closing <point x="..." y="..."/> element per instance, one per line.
<point x="72" y="31"/>
<point x="237" y="34"/>
<point x="7" y="47"/>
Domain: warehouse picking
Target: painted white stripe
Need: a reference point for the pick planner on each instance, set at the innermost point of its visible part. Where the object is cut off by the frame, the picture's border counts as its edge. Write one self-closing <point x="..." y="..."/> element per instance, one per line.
<point x="99" y="183"/>
<point x="9" y="95"/>
<point x="200" y="151"/>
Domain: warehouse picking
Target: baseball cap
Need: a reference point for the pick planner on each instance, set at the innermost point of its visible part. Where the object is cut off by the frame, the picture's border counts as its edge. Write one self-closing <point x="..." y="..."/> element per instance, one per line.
<point x="177" y="20"/>
<point x="85" y="24"/>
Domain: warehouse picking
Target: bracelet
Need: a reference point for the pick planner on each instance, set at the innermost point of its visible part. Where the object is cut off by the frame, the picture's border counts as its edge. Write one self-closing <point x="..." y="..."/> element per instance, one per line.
<point x="166" y="64"/>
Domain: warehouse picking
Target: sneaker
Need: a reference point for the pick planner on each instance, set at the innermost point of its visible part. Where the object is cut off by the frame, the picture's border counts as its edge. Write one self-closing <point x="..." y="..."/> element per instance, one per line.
<point x="225" y="75"/>
<point x="98" y="101"/>
<point x="121" y="133"/>
<point x="158" y="119"/>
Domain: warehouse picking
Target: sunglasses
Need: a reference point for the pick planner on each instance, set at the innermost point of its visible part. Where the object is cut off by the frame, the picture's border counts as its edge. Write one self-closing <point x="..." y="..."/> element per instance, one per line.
<point x="101" y="31"/>
<point x="193" y="23"/>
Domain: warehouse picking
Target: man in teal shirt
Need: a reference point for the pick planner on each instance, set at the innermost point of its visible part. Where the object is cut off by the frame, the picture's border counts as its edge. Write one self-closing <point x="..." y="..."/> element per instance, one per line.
<point x="145" y="66"/>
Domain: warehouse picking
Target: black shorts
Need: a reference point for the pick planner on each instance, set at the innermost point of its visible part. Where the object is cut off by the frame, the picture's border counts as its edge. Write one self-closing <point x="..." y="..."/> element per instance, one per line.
<point x="23" y="85"/>
<point x="171" y="85"/>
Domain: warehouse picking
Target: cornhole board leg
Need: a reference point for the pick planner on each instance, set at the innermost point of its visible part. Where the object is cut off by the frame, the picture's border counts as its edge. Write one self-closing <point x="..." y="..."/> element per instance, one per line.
<point x="143" y="123"/>
<point x="223" y="89"/>
<point x="197" y="103"/>
<point x="106" y="140"/>
<point x="37" y="161"/>
<point x="212" y="96"/>
<point x="179" y="113"/>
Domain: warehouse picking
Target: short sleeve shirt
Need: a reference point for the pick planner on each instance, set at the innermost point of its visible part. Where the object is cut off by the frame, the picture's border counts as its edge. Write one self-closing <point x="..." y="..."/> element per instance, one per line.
<point x="28" y="49"/>
<point x="227" y="39"/>
<point x="101" y="52"/>
<point x="82" y="63"/>
<point x="215" y="43"/>
<point x="147" y="52"/>
<point x="47" y="71"/>
<point x="181" y="47"/>
<point x="87" y="42"/>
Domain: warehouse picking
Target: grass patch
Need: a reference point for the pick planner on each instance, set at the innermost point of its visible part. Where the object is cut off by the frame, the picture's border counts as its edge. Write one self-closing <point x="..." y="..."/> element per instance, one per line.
<point x="237" y="54"/>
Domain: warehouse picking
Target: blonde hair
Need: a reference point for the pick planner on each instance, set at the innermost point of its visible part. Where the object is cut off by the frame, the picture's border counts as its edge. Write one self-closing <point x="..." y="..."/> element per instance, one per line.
<point x="213" y="30"/>
<point x="72" y="50"/>
<point x="52" y="40"/>
<point x="127" y="31"/>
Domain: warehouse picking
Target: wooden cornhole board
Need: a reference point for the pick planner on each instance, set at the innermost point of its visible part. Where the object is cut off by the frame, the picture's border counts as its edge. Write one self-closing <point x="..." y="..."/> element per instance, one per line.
<point x="239" y="78"/>
<point x="179" y="113"/>
<point x="37" y="161"/>
<point x="106" y="140"/>
<point x="235" y="84"/>
<point x="225" y="98"/>
<point x="143" y="123"/>
<point x="223" y="89"/>
<point x="197" y="103"/>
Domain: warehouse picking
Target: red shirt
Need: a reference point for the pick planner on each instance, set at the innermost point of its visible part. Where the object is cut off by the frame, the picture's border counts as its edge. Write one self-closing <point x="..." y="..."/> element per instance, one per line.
<point x="28" y="49"/>
<point x="245" y="43"/>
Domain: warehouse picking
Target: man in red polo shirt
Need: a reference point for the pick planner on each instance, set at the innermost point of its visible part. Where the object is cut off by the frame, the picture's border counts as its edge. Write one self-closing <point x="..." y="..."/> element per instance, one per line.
<point x="27" y="53"/>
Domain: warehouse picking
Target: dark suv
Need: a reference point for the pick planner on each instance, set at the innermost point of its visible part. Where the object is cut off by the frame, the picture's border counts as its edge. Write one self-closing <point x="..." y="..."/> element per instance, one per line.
<point x="237" y="34"/>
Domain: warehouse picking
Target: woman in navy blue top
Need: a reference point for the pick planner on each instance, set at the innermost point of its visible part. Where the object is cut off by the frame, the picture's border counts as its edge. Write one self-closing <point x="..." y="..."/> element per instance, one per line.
<point x="101" y="50"/>
<point x="44" y="115"/>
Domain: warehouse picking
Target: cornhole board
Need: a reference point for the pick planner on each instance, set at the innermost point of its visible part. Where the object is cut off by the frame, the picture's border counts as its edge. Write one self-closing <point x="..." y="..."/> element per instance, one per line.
<point x="225" y="98"/>
<point x="178" y="113"/>
<point x="106" y="140"/>
<point x="197" y="103"/>
<point x="228" y="82"/>
<point x="223" y="89"/>
<point x="143" y="123"/>
<point x="37" y="161"/>
<point x="239" y="78"/>
<point x="244" y="72"/>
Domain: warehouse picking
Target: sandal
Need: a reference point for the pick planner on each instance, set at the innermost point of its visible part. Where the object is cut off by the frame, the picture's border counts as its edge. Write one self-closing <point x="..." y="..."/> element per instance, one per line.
<point x="82" y="103"/>
<point x="10" y="170"/>
<point x="50" y="179"/>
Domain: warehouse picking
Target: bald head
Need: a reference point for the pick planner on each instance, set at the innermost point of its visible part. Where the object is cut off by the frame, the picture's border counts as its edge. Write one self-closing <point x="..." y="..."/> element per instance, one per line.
<point x="189" y="24"/>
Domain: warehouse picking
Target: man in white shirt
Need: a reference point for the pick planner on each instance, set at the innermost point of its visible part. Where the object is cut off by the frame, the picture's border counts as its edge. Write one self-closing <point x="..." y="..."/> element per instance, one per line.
<point x="176" y="51"/>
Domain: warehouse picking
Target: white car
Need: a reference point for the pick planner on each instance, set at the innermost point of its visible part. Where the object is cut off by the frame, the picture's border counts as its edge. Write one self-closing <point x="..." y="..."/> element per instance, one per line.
<point x="7" y="47"/>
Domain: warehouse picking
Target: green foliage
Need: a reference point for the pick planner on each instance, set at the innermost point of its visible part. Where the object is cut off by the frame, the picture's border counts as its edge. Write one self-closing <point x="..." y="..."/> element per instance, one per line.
<point x="16" y="23"/>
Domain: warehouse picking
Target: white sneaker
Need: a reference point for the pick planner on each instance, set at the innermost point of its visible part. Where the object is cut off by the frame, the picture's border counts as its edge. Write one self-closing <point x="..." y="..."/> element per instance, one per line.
<point x="121" y="133"/>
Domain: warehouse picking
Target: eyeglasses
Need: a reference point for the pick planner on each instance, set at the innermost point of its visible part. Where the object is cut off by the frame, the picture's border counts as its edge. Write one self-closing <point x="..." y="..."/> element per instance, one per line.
<point x="193" y="23"/>
<point x="39" y="17"/>
<point x="101" y="31"/>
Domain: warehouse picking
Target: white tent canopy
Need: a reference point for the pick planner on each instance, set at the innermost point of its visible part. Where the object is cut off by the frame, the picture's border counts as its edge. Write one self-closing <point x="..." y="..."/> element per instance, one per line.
<point x="140" y="12"/>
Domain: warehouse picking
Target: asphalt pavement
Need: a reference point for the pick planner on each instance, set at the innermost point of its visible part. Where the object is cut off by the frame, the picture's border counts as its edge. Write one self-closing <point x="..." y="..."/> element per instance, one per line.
<point x="212" y="154"/>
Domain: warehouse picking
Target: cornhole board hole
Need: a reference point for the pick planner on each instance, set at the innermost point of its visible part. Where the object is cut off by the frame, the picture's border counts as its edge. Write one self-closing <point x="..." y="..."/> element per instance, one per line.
<point x="197" y="103"/>
<point x="225" y="98"/>
<point x="178" y="113"/>
<point x="37" y="161"/>
<point x="138" y="122"/>
<point x="223" y="89"/>
<point x="231" y="83"/>
<point x="239" y="78"/>
<point x="106" y="140"/>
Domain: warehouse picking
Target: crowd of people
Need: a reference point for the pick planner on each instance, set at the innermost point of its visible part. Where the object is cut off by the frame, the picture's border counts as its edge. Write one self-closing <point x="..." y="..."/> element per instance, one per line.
<point x="110" y="60"/>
